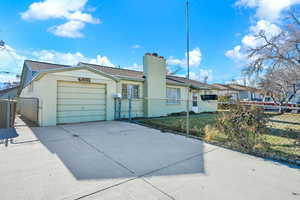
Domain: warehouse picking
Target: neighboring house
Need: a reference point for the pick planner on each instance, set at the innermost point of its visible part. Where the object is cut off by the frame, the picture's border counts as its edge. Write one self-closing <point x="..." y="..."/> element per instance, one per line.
<point x="247" y="93"/>
<point x="239" y="92"/>
<point x="9" y="93"/>
<point x="224" y="90"/>
<point x="295" y="98"/>
<point x="87" y="92"/>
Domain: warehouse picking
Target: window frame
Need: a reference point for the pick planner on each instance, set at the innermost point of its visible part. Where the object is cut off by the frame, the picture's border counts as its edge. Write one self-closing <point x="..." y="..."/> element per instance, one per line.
<point x="171" y="100"/>
<point x="130" y="90"/>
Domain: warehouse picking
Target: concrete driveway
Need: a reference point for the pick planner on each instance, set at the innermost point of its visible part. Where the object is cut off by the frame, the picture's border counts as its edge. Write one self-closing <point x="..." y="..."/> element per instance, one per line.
<point x="119" y="160"/>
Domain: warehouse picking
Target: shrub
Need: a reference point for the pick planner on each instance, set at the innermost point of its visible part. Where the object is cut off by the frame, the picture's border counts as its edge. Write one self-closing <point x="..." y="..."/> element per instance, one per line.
<point x="183" y="113"/>
<point x="243" y="126"/>
<point x="224" y="98"/>
<point x="225" y="103"/>
<point x="210" y="132"/>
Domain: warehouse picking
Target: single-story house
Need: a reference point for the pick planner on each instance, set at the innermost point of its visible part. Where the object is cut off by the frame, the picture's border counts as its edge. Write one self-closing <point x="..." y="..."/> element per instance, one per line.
<point x="224" y="90"/>
<point x="9" y="93"/>
<point x="88" y="92"/>
<point x="239" y="92"/>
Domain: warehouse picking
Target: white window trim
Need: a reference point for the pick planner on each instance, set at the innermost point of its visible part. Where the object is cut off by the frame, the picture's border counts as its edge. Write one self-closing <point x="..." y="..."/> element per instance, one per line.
<point x="130" y="90"/>
<point x="171" y="100"/>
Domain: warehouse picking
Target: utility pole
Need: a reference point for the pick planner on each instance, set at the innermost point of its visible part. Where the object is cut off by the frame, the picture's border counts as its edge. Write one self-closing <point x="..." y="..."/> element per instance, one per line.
<point x="188" y="66"/>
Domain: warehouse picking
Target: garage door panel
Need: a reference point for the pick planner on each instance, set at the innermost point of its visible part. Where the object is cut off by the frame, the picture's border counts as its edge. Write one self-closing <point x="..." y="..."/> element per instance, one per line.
<point x="80" y="90"/>
<point x="76" y="119"/>
<point x="78" y="113"/>
<point x="65" y="107"/>
<point x="78" y="95"/>
<point x="66" y="84"/>
<point x="80" y="102"/>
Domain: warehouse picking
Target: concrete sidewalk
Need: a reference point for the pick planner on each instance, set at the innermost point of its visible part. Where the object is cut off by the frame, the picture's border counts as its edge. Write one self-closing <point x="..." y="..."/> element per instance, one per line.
<point x="118" y="160"/>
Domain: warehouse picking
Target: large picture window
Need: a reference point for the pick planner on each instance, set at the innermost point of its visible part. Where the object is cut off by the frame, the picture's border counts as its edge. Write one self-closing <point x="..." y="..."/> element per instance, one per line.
<point x="173" y="95"/>
<point x="130" y="90"/>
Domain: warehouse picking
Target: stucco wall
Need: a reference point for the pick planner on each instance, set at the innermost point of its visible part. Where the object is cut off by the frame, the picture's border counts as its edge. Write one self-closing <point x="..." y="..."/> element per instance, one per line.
<point x="137" y="104"/>
<point x="181" y="107"/>
<point x="155" y="85"/>
<point x="46" y="90"/>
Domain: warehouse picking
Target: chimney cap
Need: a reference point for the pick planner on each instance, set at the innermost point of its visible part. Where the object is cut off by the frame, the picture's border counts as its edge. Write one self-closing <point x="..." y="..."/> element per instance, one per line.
<point x="154" y="54"/>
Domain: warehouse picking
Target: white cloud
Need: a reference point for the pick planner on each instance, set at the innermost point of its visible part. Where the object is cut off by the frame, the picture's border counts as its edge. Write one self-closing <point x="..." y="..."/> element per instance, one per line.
<point x="12" y="60"/>
<point x="11" y="64"/>
<point x="4" y="78"/>
<point x="48" y="9"/>
<point x="101" y="60"/>
<point x="70" y="29"/>
<point x="70" y="10"/>
<point x="268" y="9"/>
<point x="136" y="46"/>
<point x="83" y="17"/>
<point x="202" y="74"/>
<point x="238" y="55"/>
<point x="69" y="58"/>
<point x="135" y="67"/>
<point x="195" y="59"/>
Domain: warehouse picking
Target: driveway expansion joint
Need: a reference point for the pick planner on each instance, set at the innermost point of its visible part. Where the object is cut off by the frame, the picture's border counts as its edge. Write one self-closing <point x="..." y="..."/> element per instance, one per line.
<point x="131" y="171"/>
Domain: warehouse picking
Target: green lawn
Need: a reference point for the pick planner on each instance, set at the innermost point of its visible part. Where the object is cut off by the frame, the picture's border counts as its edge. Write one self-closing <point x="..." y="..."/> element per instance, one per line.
<point x="283" y="131"/>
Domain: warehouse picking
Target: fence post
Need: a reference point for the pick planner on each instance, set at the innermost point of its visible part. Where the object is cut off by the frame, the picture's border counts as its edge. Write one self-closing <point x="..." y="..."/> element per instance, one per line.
<point x="8" y="114"/>
<point x="129" y="112"/>
<point x="115" y="109"/>
<point x="120" y="107"/>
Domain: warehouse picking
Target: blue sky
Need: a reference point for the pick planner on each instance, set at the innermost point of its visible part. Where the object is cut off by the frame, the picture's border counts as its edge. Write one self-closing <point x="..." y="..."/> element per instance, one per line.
<point x="120" y="32"/>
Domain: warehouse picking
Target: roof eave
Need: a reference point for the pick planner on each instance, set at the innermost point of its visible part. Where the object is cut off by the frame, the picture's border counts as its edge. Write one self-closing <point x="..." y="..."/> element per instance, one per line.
<point x="130" y="78"/>
<point x="44" y="72"/>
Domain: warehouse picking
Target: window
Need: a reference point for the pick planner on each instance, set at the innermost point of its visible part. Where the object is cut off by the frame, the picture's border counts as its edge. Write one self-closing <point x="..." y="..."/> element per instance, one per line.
<point x="173" y="95"/>
<point x="129" y="90"/>
<point x="195" y="99"/>
<point x="209" y="97"/>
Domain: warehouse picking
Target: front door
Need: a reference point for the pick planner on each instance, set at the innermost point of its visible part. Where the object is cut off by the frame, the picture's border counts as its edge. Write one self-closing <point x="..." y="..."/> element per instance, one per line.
<point x="195" y="102"/>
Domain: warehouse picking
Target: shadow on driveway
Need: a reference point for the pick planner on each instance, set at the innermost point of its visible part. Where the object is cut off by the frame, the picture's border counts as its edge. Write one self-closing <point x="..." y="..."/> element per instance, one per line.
<point x="109" y="150"/>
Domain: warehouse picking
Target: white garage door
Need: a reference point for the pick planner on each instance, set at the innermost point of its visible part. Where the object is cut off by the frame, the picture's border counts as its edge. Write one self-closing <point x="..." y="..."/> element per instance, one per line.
<point x="80" y="102"/>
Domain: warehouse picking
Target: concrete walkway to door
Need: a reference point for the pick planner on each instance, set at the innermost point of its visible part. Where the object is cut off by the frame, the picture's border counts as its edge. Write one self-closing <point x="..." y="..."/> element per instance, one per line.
<point x="119" y="160"/>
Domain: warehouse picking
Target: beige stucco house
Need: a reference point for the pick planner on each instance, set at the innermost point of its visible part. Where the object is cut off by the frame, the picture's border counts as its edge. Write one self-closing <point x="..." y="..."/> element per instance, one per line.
<point x="87" y="92"/>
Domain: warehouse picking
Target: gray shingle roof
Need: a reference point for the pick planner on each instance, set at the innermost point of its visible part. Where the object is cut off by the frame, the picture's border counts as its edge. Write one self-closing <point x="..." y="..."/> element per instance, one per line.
<point x="40" y="66"/>
<point x="116" y="71"/>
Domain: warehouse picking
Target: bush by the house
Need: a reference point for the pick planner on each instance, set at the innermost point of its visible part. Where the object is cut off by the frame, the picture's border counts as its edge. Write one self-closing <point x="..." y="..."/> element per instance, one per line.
<point x="244" y="127"/>
<point x="225" y="103"/>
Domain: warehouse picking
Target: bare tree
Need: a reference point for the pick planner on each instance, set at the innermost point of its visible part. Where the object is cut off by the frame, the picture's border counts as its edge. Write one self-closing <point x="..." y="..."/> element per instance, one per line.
<point x="278" y="58"/>
<point x="280" y="85"/>
<point x="175" y="70"/>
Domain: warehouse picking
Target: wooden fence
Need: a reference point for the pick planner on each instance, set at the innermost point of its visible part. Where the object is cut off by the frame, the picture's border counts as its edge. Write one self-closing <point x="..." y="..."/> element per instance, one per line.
<point x="29" y="108"/>
<point x="7" y="113"/>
